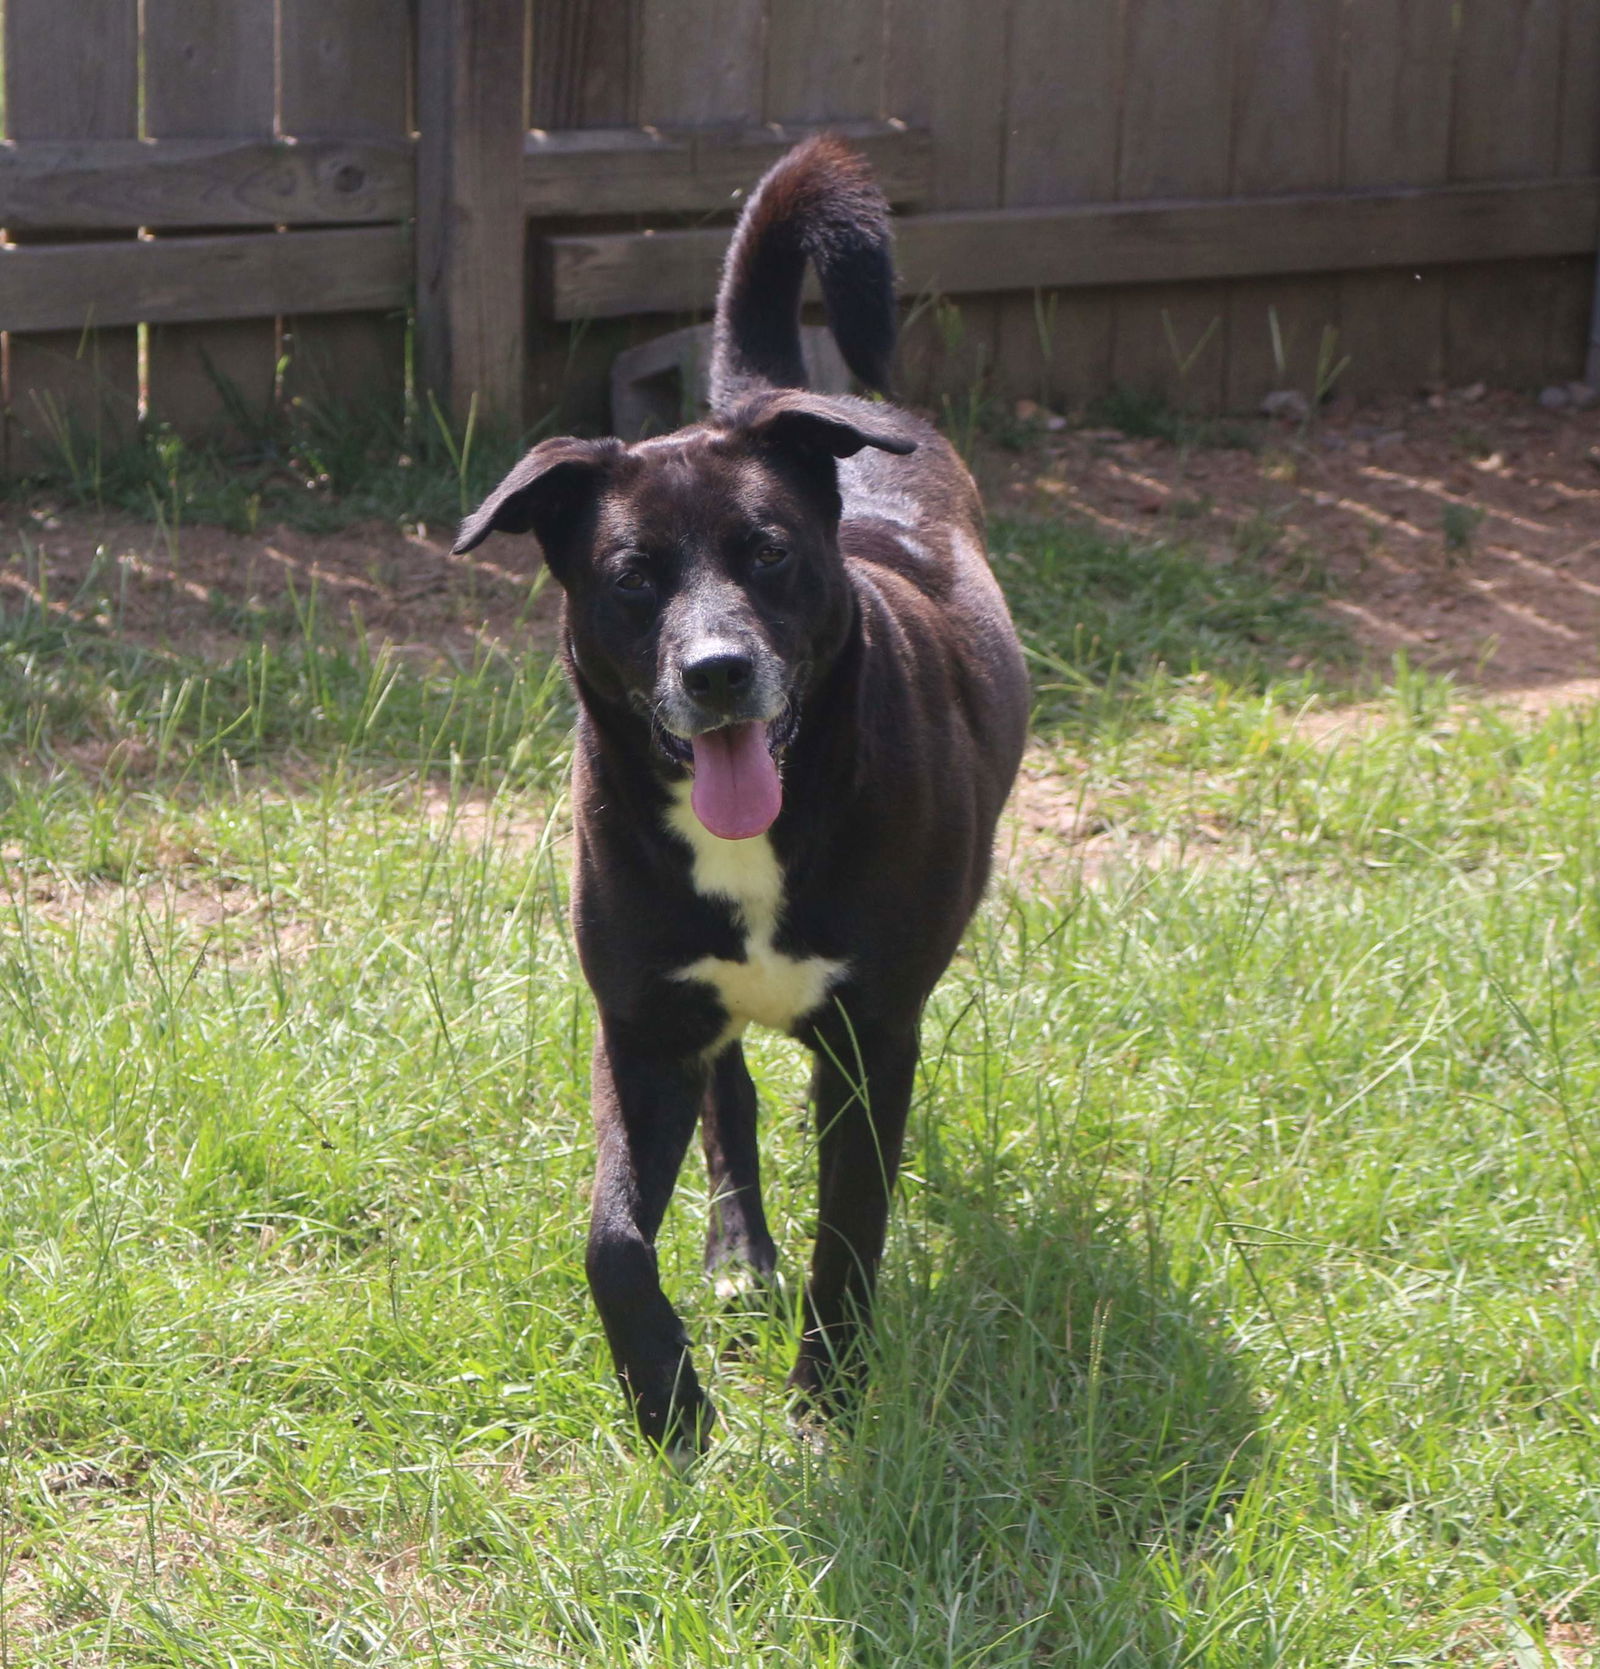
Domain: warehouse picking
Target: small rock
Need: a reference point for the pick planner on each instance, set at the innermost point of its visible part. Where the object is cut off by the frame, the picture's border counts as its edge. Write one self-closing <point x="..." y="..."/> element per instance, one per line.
<point x="1472" y="393"/>
<point x="1286" y="403"/>
<point x="1055" y="422"/>
<point x="1554" y="398"/>
<point x="1026" y="410"/>
<point x="1389" y="437"/>
<point x="1583" y="396"/>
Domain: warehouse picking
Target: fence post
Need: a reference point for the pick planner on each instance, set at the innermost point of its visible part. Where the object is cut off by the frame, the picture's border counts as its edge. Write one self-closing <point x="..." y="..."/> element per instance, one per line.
<point x="471" y="228"/>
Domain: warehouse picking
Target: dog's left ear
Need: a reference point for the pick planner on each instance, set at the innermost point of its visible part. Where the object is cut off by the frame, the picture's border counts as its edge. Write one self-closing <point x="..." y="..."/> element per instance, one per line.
<point x="543" y="494"/>
<point x="800" y="421"/>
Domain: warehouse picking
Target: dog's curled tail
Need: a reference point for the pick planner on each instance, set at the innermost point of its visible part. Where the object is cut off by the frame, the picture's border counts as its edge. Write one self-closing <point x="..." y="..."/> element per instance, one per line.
<point x="819" y="202"/>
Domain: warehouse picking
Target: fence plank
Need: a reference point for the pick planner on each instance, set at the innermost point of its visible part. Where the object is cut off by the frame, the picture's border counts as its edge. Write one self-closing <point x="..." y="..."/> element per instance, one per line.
<point x="1399" y="56"/>
<point x="584" y="58"/>
<point x="1572" y="293"/>
<point x="611" y="274"/>
<point x="1579" y="295"/>
<point x="944" y="71"/>
<point x="824" y="60"/>
<point x="1175" y="139"/>
<point x="700" y="61"/>
<point x="699" y="65"/>
<point x="343" y="71"/>
<point x="77" y="82"/>
<point x="1286" y="138"/>
<point x="1507" y="114"/>
<point x="207" y="76"/>
<point x="1397" y="93"/>
<point x="471" y="237"/>
<point x="244" y="275"/>
<point x="585" y="65"/>
<point x="1062" y="114"/>
<point x="1579" y="145"/>
<point x="122" y="184"/>
<point x="1507" y="126"/>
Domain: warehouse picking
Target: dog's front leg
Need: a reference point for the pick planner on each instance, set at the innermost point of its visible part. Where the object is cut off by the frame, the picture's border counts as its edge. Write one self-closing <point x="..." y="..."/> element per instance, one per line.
<point x="862" y="1093"/>
<point x="645" y="1108"/>
<point x="739" y="1245"/>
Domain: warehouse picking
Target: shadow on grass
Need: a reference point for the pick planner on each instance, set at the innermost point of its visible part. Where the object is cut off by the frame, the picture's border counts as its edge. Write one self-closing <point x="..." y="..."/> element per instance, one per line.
<point x="72" y="690"/>
<point x="318" y="464"/>
<point x="1106" y="624"/>
<point x="1059" y="1429"/>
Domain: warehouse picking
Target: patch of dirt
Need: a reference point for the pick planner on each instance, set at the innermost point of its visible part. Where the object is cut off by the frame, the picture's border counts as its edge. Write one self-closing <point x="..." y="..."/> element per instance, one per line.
<point x="218" y="914"/>
<point x="1052" y="838"/>
<point x="73" y="1591"/>
<point x="1564" y="1646"/>
<point x="478" y="819"/>
<point x="1462" y="527"/>
<point x="210" y="593"/>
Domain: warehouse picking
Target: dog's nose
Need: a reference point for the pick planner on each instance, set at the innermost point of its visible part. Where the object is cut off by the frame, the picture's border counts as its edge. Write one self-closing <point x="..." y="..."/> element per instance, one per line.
<point x="716" y="679"/>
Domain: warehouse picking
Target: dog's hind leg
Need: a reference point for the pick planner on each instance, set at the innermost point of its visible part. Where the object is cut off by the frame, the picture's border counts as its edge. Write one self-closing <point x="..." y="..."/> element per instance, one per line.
<point x="644" y="1110"/>
<point x="738" y="1244"/>
<point x="861" y="1090"/>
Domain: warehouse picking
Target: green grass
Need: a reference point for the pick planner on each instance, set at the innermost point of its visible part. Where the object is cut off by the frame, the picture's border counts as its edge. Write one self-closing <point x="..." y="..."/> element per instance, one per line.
<point x="1146" y="415"/>
<point x="1108" y="626"/>
<point x="314" y="464"/>
<point x="1240" y="1305"/>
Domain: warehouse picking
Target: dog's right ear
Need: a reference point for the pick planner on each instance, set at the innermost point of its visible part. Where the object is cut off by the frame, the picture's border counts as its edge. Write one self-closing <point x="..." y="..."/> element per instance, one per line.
<point x="544" y="494"/>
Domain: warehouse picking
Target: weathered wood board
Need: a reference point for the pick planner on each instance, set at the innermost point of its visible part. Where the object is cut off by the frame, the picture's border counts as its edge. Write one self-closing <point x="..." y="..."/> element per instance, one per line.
<point x="70" y="77"/>
<point x="964" y="253"/>
<point x="344" y="71"/>
<point x="203" y="80"/>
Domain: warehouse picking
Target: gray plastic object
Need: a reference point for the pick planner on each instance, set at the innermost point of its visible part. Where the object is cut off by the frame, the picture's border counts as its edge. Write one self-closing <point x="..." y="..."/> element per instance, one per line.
<point x="661" y="384"/>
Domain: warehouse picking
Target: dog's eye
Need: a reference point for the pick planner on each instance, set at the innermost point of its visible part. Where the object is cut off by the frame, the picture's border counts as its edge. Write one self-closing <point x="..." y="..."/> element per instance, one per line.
<point x="770" y="556"/>
<point x="633" y="581"/>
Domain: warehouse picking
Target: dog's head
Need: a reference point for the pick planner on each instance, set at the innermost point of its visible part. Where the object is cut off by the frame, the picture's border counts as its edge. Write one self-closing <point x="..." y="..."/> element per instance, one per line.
<point x="704" y="584"/>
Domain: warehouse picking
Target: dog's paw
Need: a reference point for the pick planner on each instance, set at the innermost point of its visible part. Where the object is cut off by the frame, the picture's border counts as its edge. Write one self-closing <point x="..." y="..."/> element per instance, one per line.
<point x="747" y="1298"/>
<point x="682" y="1434"/>
<point x="741" y="1286"/>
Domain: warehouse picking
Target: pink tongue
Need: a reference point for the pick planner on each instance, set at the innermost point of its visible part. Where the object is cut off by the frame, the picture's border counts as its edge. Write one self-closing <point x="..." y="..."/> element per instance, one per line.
<point x="736" y="791"/>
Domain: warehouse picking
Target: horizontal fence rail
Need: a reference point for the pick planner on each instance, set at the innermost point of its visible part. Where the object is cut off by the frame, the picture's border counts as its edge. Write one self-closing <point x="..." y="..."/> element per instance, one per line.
<point x="685" y="171"/>
<point x="174" y="280"/>
<point x="613" y="274"/>
<point x="109" y="185"/>
<point x="115" y="185"/>
<point x="112" y="185"/>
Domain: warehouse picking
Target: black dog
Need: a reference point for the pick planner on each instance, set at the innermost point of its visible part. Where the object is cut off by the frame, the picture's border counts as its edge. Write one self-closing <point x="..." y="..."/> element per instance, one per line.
<point x="802" y="705"/>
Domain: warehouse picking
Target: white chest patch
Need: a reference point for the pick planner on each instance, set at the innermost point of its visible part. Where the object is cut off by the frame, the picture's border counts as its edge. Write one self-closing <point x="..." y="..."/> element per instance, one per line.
<point x="768" y="987"/>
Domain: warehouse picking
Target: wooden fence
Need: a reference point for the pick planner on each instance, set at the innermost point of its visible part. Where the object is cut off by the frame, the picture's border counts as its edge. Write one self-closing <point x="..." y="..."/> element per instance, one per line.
<point x="210" y="205"/>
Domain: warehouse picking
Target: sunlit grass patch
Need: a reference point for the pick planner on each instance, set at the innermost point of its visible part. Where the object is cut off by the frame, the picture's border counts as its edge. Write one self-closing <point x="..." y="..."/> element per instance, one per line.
<point x="1239" y="1308"/>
